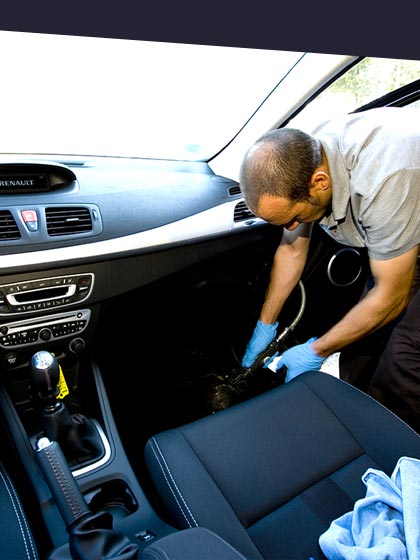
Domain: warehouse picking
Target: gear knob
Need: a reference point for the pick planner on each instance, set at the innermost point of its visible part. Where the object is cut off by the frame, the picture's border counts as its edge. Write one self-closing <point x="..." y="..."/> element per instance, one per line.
<point x="45" y="373"/>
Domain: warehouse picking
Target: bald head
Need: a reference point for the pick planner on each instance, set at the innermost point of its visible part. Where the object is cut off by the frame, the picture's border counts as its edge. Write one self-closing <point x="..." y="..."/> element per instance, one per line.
<point x="280" y="163"/>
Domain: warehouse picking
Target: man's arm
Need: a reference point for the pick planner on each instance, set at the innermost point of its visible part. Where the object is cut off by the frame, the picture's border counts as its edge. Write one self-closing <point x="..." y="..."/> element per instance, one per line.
<point x="288" y="264"/>
<point x="383" y="303"/>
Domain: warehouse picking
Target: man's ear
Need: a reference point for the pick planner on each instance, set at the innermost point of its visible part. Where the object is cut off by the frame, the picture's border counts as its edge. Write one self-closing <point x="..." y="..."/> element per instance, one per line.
<point x="320" y="180"/>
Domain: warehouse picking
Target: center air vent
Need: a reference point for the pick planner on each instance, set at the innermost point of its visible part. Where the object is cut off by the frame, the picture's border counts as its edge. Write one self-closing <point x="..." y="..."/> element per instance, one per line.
<point x="242" y="212"/>
<point x="8" y="226"/>
<point x="68" y="220"/>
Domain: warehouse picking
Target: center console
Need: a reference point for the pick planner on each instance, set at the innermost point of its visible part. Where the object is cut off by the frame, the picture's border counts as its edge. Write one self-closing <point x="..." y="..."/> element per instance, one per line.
<point x="44" y="293"/>
<point x="57" y="314"/>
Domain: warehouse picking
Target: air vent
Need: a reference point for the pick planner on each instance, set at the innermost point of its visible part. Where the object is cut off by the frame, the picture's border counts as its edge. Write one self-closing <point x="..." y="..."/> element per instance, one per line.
<point x="235" y="190"/>
<point x="68" y="220"/>
<point x="8" y="226"/>
<point x="242" y="212"/>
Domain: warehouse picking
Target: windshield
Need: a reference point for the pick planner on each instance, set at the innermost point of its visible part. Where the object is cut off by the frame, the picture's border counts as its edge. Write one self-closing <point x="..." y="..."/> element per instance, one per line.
<point x="112" y="97"/>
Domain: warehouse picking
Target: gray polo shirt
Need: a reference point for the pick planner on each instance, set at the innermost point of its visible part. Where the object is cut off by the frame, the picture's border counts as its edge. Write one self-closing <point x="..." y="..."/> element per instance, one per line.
<point x="374" y="163"/>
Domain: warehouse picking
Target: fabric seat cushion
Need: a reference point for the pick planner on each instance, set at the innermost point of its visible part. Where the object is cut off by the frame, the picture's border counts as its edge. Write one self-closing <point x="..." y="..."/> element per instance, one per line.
<point x="16" y="540"/>
<point x="279" y="467"/>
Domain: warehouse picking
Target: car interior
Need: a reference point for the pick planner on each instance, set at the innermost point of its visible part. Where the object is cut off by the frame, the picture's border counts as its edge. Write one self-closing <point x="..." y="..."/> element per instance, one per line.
<point x="129" y="288"/>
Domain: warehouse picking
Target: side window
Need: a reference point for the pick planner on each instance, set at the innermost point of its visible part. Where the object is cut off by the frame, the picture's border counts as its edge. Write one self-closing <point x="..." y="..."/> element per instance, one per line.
<point x="415" y="104"/>
<point x="366" y="81"/>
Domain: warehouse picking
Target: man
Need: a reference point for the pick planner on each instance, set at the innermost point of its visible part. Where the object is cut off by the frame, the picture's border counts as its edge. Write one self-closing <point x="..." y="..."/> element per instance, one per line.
<point x="358" y="177"/>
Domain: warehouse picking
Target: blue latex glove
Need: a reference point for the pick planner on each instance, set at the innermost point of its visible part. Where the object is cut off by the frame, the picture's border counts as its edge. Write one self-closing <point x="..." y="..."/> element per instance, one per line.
<point x="299" y="359"/>
<point x="262" y="336"/>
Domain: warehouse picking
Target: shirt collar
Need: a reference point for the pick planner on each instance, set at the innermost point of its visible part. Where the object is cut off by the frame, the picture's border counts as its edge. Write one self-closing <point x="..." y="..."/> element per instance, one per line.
<point x="340" y="183"/>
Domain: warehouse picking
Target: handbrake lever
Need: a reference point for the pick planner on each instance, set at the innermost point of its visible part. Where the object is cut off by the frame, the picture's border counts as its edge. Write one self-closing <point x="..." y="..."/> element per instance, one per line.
<point x="91" y="535"/>
<point x="69" y="499"/>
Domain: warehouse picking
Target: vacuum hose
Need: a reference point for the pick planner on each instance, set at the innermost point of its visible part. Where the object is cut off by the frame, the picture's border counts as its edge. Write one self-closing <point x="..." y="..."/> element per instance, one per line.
<point x="232" y="384"/>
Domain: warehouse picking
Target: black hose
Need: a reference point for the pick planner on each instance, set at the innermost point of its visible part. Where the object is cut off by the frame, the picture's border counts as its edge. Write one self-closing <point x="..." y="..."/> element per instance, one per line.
<point x="273" y="347"/>
<point x="222" y="393"/>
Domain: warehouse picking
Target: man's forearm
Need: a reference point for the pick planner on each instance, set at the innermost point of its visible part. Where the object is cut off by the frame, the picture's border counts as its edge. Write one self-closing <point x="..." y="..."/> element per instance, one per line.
<point x="383" y="303"/>
<point x="286" y="271"/>
<point x="364" y="318"/>
<point x="277" y="293"/>
<point x="288" y="264"/>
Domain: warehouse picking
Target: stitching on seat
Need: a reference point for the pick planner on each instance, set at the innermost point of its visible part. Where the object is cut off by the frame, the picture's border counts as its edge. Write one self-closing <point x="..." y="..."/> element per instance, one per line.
<point x="363" y="393"/>
<point x="172" y="486"/>
<point x="26" y="536"/>
<point x="382" y="405"/>
<point x="154" y="442"/>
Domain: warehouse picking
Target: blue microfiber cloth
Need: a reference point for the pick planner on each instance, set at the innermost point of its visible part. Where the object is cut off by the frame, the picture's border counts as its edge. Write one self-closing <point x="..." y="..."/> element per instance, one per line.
<point x="385" y="524"/>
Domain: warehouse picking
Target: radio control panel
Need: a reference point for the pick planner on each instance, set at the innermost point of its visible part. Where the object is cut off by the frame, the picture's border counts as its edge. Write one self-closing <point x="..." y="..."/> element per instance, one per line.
<point x="27" y="332"/>
<point x="45" y="293"/>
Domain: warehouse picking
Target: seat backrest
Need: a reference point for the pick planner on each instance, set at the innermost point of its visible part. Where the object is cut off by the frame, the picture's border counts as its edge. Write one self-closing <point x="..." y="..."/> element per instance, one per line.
<point x="270" y="474"/>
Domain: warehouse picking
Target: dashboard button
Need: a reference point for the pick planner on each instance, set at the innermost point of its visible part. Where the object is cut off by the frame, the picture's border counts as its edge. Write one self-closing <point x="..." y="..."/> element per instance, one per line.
<point x="30" y="219"/>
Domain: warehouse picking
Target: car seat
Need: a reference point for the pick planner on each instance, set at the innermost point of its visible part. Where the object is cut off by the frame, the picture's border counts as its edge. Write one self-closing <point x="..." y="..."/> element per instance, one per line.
<point x="269" y="474"/>
<point x="195" y="543"/>
<point x="16" y="539"/>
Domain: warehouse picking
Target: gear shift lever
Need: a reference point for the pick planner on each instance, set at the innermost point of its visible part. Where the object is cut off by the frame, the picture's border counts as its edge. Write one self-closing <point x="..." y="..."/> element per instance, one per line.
<point x="58" y="423"/>
<point x="45" y="374"/>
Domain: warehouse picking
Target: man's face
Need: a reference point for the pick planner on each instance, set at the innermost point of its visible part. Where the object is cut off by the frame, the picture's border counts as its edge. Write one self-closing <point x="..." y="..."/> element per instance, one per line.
<point x="281" y="211"/>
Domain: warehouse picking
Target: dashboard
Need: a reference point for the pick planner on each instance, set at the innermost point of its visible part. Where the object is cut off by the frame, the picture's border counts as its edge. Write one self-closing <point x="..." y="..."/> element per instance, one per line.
<point x="87" y="210"/>
<point x="75" y="233"/>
